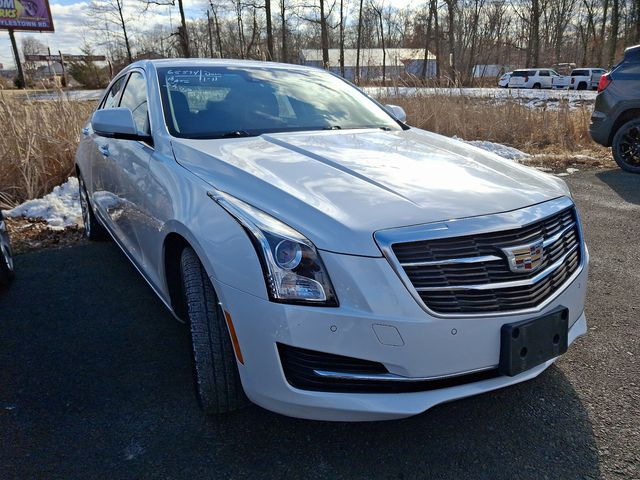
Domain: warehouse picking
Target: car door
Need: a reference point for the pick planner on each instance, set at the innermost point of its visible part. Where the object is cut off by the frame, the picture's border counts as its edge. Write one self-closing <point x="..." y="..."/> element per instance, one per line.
<point x="544" y="79"/>
<point x="100" y="165"/>
<point x="129" y="168"/>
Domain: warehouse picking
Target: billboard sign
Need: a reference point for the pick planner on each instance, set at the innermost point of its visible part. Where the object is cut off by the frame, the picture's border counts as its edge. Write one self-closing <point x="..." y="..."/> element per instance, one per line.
<point x="25" y="15"/>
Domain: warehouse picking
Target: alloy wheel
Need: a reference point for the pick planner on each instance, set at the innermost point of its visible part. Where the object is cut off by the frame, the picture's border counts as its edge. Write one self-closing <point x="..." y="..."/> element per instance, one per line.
<point x="629" y="146"/>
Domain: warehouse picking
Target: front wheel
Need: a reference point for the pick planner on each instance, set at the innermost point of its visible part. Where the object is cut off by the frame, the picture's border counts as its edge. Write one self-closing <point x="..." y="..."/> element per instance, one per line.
<point x="6" y="256"/>
<point x="93" y="230"/>
<point x="217" y="377"/>
<point x="626" y="146"/>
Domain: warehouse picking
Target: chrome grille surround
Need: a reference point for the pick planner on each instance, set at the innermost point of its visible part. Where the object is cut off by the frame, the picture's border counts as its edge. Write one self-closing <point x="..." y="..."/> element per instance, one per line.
<point x="500" y="225"/>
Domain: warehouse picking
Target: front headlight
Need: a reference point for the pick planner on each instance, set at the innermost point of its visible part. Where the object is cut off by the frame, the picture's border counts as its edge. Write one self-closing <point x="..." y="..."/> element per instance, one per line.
<point x="293" y="269"/>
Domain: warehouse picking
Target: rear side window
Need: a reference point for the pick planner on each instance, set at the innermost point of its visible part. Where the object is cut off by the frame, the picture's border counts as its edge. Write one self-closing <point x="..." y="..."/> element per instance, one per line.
<point x="544" y="73"/>
<point x="520" y="73"/>
<point x="134" y="98"/>
<point x="111" y="100"/>
<point x="632" y="55"/>
<point x="580" y="73"/>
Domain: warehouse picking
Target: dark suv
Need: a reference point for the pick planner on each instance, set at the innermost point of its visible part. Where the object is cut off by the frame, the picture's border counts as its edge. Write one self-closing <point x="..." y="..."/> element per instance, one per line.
<point x="615" y="121"/>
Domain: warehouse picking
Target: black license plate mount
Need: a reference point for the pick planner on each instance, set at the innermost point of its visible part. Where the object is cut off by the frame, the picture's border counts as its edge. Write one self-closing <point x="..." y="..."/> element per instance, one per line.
<point x="526" y="344"/>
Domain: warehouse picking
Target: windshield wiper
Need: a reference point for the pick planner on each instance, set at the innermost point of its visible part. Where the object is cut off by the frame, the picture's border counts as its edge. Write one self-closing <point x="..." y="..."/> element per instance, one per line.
<point x="236" y="133"/>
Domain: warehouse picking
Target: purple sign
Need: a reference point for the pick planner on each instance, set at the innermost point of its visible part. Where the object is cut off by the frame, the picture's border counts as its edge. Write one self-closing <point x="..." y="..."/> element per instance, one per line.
<point x="26" y="15"/>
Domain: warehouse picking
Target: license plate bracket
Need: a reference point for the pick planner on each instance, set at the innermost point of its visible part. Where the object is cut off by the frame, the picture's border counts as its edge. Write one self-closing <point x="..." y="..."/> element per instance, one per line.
<point x="526" y="344"/>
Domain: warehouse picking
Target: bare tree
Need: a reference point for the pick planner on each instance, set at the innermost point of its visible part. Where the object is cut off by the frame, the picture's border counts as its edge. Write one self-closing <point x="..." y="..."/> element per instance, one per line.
<point x="112" y="12"/>
<point x="377" y="9"/>
<point x="451" y="9"/>
<point x="267" y="8"/>
<point x="615" y="21"/>
<point x="31" y="46"/>
<point x="359" y="42"/>
<point x="342" y="20"/>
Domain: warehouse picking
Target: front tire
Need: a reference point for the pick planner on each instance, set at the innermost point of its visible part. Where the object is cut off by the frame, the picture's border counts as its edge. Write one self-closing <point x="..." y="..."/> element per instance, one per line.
<point x="93" y="230"/>
<point x="626" y="146"/>
<point x="217" y="378"/>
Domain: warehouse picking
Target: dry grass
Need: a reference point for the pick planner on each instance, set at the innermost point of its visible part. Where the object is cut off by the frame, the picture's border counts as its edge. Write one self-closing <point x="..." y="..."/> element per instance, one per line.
<point x="558" y="137"/>
<point x="38" y="144"/>
<point x="40" y="137"/>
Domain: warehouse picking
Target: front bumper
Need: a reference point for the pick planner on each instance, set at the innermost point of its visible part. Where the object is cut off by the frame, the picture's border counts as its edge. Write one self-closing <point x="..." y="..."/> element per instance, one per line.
<point x="413" y="343"/>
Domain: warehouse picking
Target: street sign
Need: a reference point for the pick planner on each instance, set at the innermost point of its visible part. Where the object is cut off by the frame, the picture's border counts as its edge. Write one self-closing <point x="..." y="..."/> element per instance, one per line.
<point x="66" y="57"/>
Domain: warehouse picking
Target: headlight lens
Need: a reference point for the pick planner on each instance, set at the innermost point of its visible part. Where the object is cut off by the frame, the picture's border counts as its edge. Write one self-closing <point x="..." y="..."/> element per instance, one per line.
<point x="293" y="269"/>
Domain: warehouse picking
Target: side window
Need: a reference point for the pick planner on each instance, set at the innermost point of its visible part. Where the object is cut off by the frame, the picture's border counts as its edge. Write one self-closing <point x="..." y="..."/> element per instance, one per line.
<point x="111" y="100"/>
<point x="134" y="98"/>
<point x="544" y="73"/>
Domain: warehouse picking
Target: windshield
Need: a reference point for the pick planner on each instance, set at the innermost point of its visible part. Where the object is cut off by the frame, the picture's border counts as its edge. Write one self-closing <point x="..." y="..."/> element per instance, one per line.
<point x="224" y="102"/>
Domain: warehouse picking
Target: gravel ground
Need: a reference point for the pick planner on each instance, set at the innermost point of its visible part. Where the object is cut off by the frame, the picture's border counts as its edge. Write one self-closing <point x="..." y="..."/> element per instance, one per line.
<point x="96" y="382"/>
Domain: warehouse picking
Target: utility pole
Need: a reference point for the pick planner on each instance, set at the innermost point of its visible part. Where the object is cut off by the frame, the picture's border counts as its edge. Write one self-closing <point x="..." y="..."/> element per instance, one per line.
<point x="16" y="54"/>
<point x="64" y="70"/>
<point x="210" y="35"/>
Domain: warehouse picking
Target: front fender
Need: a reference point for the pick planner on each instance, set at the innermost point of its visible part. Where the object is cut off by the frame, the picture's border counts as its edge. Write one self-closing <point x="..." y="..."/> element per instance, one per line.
<point x="222" y="245"/>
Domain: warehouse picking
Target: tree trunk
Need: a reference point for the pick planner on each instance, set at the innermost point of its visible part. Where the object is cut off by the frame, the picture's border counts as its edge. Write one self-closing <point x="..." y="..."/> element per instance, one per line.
<point x="615" y="21"/>
<point x="434" y="5"/>
<point x="384" y="52"/>
<point x="217" y="24"/>
<point x="358" y="43"/>
<point x="267" y="8"/>
<point x="603" y="26"/>
<point x="210" y="34"/>
<point x="184" y="34"/>
<point x="451" y="6"/>
<point x="535" y="32"/>
<point x="637" y="21"/>
<point x="123" y="25"/>
<point x="324" y="37"/>
<point x="426" y="42"/>
<point x="342" y="38"/>
<point x="283" y="21"/>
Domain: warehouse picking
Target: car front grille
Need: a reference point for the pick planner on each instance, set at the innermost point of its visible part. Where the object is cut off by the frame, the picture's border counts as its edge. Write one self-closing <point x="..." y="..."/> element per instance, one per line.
<point x="312" y="370"/>
<point x="471" y="274"/>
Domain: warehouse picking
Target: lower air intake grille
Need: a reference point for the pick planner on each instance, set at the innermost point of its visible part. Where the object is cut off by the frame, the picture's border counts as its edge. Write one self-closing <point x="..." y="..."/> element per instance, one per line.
<point x="301" y="366"/>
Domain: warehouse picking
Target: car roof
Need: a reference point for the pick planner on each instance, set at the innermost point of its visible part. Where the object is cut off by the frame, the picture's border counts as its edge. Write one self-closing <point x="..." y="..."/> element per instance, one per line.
<point x="217" y="62"/>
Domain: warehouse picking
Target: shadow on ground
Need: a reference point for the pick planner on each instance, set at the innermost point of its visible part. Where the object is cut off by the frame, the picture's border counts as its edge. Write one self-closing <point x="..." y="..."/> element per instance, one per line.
<point x="96" y="383"/>
<point x="625" y="184"/>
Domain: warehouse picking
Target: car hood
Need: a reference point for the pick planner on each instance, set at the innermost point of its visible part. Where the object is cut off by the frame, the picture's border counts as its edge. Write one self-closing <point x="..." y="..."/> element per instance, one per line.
<point x="339" y="187"/>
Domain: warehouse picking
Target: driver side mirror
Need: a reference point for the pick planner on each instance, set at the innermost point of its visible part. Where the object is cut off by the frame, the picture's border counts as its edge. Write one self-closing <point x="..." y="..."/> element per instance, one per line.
<point x="117" y="123"/>
<point x="397" y="111"/>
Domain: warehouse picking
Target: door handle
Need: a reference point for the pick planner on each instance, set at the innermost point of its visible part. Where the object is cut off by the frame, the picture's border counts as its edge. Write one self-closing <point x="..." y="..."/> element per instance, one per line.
<point x="85" y="131"/>
<point x="104" y="150"/>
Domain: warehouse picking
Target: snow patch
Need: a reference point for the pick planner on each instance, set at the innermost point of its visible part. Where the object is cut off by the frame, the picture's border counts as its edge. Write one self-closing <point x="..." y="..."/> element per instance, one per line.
<point x="504" y="151"/>
<point x="60" y="208"/>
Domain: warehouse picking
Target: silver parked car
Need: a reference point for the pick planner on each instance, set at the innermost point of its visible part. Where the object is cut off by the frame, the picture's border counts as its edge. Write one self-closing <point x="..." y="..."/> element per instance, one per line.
<point x="6" y="256"/>
<point x="332" y="262"/>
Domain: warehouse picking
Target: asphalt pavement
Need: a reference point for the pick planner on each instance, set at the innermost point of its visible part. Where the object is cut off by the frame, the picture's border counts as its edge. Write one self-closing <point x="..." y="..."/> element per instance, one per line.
<point x="96" y="382"/>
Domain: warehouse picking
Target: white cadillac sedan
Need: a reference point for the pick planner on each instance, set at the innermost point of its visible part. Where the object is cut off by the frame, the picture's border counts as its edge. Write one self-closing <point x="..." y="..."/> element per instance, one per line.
<point x="332" y="262"/>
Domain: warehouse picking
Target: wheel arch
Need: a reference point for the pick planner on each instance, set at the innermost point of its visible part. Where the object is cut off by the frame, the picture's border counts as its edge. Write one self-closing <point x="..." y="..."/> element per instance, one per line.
<point x="174" y="244"/>
<point x="624" y="117"/>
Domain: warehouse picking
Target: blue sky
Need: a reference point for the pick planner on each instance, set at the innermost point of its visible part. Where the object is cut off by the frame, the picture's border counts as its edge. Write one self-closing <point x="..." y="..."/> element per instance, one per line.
<point x="71" y="30"/>
<point x="71" y="25"/>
